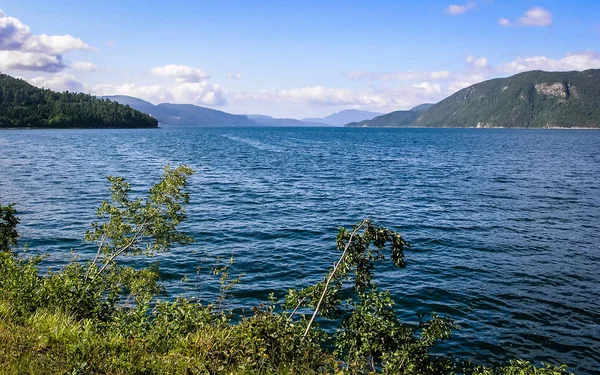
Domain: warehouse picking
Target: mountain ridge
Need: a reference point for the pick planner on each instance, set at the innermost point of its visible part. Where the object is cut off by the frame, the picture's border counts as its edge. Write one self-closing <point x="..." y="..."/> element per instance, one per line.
<point x="533" y="99"/>
<point x="193" y="115"/>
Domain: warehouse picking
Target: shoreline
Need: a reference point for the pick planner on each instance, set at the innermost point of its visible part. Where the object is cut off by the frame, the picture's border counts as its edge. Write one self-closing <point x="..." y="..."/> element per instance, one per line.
<point x="76" y="127"/>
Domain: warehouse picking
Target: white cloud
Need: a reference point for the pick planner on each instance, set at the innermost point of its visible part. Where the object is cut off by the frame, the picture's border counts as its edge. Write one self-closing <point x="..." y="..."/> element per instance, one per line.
<point x="504" y="22"/>
<point x="199" y="93"/>
<point x="428" y="88"/>
<point x="21" y="50"/>
<point x="536" y="16"/>
<point x="54" y="44"/>
<point x="181" y="73"/>
<point x="572" y="61"/>
<point x="59" y="82"/>
<point x="477" y="63"/>
<point x="235" y="75"/>
<point x="14" y="35"/>
<point x="460" y="9"/>
<point x="84" y="66"/>
<point x="151" y="93"/>
<point x="18" y="60"/>
<point x="382" y="99"/>
<point x="400" y="76"/>
<point x="319" y="95"/>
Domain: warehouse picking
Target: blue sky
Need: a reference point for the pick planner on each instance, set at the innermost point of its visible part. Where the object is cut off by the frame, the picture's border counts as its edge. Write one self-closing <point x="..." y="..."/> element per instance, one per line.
<point x="291" y="59"/>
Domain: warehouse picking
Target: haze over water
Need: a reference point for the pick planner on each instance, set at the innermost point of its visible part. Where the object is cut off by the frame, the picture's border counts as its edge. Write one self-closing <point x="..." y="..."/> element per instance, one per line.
<point x="504" y="224"/>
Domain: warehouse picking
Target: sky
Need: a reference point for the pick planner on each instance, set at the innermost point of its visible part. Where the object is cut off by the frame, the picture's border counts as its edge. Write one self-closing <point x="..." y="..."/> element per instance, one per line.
<point x="292" y="59"/>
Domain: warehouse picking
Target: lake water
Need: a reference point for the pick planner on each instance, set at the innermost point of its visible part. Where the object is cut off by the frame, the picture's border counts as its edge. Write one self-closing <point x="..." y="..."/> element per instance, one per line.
<point x="504" y="224"/>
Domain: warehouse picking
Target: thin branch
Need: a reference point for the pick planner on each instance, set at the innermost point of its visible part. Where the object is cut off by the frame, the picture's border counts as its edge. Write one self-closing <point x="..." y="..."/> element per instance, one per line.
<point x="87" y="274"/>
<point x="122" y="250"/>
<point x="297" y="306"/>
<point x="335" y="268"/>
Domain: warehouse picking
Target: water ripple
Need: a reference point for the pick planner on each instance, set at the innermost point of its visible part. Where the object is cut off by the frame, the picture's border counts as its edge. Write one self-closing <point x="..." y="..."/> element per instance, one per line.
<point x="504" y="224"/>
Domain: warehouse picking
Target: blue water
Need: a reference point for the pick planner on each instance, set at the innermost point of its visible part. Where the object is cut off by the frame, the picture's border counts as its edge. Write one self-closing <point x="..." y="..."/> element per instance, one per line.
<point x="504" y="224"/>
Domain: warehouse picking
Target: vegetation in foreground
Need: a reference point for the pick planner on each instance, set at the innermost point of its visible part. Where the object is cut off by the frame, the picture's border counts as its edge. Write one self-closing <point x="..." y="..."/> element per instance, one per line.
<point x="23" y="105"/>
<point x="100" y="317"/>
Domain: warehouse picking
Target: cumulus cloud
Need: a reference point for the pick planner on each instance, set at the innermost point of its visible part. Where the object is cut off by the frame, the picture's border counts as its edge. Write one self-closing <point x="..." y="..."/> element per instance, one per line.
<point x="477" y="63"/>
<point x="18" y="60"/>
<point x="572" y="61"/>
<point x="235" y="75"/>
<point x="199" y="93"/>
<point x="181" y="73"/>
<point x="384" y="99"/>
<point x="428" y="88"/>
<point x="55" y="44"/>
<point x="455" y="9"/>
<point x="59" y="82"/>
<point x="399" y="76"/>
<point x="84" y="66"/>
<point x="536" y="16"/>
<point x="21" y="50"/>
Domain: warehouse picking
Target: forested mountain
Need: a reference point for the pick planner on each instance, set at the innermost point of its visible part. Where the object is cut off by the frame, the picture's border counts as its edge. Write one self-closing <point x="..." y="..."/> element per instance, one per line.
<point x="534" y="99"/>
<point x="24" y="105"/>
<point x="422" y="107"/>
<point x="396" y="119"/>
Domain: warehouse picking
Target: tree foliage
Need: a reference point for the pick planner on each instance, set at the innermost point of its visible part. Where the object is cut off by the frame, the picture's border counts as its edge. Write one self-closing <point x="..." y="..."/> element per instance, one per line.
<point x="98" y="316"/>
<point x="23" y="105"/>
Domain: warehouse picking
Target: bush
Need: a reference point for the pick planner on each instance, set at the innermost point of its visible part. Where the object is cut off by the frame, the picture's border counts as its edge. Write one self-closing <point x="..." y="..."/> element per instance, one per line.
<point x="99" y="317"/>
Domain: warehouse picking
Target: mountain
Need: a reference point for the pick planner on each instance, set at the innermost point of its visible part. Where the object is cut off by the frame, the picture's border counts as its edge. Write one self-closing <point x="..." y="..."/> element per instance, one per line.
<point x="24" y="105"/>
<point x="534" y="99"/>
<point x="263" y="120"/>
<point x="344" y="117"/>
<point x="193" y="115"/>
<point x="184" y="114"/>
<point x="422" y="107"/>
<point x="397" y="119"/>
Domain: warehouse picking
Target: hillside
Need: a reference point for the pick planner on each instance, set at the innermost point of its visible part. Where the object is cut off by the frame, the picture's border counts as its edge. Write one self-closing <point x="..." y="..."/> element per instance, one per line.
<point x="396" y="119"/>
<point x="422" y="107"/>
<point x="534" y="99"/>
<point x="344" y="117"/>
<point x="24" y="105"/>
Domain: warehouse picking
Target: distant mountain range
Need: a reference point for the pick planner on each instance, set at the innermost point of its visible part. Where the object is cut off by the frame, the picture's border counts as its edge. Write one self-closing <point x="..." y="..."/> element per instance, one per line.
<point x="533" y="99"/>
<point x="193" y="115"/>
<point x="184" y="114"/>
<point x="344" y="117"/>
